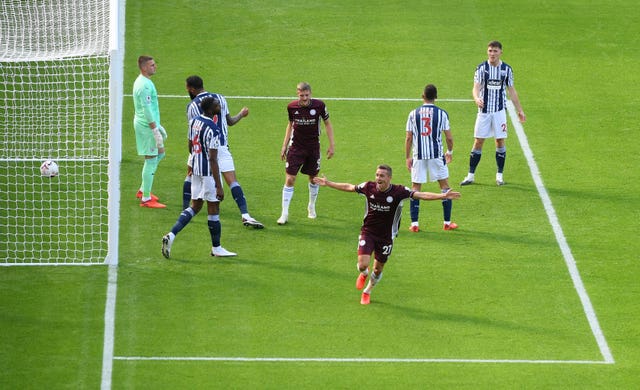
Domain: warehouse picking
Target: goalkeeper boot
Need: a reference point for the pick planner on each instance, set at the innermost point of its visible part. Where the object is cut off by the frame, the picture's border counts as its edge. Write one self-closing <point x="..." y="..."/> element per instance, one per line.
<point x="153" y="204"/>
<point x="139" y="196"/>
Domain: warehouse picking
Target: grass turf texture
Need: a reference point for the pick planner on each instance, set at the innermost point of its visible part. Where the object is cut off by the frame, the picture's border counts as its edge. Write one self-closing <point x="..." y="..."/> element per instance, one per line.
<point x="495" y="289"/>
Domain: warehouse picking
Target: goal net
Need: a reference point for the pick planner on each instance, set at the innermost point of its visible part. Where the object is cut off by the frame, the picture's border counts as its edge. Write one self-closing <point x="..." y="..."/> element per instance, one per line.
<point x="56" y="59"/>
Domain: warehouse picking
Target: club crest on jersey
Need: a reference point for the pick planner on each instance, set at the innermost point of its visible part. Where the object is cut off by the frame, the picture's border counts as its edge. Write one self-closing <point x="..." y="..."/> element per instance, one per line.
<point x="389" y="199"/>
<point x="312" y="112"/>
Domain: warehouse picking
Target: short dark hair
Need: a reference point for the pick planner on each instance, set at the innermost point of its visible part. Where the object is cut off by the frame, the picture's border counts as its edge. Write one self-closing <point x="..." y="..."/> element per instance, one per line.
<point x="495" y="44"/>
<point x="143" y="60"/>
<point x="430" y="92"/>
<point x="208" y="103"/>
<point x="195" y="82"/>
<point x="386" y="168"/>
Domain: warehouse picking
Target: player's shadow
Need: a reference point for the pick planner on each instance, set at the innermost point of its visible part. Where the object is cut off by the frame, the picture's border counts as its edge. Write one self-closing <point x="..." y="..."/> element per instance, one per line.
<point x="427" y="315"/>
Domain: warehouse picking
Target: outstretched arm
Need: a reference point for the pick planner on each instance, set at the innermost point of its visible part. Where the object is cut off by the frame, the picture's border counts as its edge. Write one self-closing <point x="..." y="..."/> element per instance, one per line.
<point x="323" y="181"/>
<point x="433" y="196"/>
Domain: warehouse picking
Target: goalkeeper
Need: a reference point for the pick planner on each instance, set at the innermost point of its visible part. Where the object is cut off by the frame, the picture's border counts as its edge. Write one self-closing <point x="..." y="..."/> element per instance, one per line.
<point x="150" y="135"/>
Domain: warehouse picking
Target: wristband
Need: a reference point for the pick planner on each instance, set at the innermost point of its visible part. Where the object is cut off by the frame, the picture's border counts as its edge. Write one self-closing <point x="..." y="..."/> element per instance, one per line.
<point x="449" y="152"/>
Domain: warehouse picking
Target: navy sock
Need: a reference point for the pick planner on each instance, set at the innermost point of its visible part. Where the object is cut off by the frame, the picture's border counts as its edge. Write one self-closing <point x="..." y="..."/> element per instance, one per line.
<point x="186" y="194"/>
<point x="183" y="220"/>
<point x="215" y="229"/>
<point x="474" y="160"/>
<point x="414" y="209"/>
<point x="501" y="156"/>
<point x="447" y="205"/>
<point x="238" y="196"/>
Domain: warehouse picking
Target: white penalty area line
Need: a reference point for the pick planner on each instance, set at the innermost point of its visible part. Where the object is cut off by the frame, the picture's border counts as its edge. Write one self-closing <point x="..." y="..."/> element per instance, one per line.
<point x="363" y="99"/>
<point x="349" y="360"/>
<point x="560" y="238"/>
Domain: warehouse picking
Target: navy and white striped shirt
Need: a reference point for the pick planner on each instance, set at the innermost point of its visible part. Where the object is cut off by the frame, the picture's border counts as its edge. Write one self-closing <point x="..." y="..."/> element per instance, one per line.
<point x="427" y="123"/>
<point x="193" y="110"/>
<point x="493" y="82"/>
<point x="204" y="134"/>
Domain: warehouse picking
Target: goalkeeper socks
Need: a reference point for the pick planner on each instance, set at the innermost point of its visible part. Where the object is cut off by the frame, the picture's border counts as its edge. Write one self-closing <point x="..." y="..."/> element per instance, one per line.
<point x="183" y="220"/>
<point x="474" y="160"/>
<point x="447" y="205"/>
<point x="414" y="209"/>
<point x="186" y="192"/>
<point x="238" y="196"/>
<point x="215" y="229"/>
<point x="149" y="168"/>
<point x="501" y="156"/>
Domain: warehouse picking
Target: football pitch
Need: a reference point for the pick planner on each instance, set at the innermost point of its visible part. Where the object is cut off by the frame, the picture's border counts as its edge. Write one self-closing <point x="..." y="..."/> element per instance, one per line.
<point x="538" y="288"/>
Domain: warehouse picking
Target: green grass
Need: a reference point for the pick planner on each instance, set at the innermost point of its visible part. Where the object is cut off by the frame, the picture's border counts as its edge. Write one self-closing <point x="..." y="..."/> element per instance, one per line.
<point x="497" y="288"/>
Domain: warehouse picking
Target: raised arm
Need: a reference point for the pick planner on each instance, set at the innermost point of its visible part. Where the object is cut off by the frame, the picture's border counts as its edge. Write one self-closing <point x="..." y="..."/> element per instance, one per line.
<point x="323" y="181"/>
<point x="433" y="196"/>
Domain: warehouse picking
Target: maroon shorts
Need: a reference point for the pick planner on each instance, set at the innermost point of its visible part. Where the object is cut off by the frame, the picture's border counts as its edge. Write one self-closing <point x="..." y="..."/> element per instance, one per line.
<point x="305" y="160"/>
<point x="368" y="244"/>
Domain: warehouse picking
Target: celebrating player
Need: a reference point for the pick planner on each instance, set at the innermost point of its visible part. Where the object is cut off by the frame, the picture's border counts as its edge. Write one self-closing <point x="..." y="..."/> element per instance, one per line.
<point x="150" y="134"/>
<point x="490" y="82"/>
<point x="195" y="87"/>
<point x="380" y="226"/>
<point x="301" y="146"/>
<point x="205" y="137"/>
<point x="424" y="152"/>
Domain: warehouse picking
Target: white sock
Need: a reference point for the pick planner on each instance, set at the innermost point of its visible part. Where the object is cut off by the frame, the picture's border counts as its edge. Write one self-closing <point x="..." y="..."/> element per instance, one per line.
<point x="287" y="194"/>
<point x="373" y="280"/>
<point x="313" y="194"/>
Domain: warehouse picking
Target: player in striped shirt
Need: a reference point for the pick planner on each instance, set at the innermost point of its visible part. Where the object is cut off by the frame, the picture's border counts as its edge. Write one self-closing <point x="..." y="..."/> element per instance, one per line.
<point x="381" y="220"/>
<point x="195" y="87"/>
<point x="424" y="152"/>
<point x="491" y="81"/>
<point x="205" y="136"/>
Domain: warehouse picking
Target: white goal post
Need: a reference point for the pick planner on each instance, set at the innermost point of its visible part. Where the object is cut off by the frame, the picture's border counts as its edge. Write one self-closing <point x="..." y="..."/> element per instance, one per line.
<point x="60" y="99"/>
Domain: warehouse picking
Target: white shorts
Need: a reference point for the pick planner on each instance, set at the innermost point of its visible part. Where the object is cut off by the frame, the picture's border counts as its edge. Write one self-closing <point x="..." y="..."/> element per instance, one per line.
<point x="432" y="170"/>
<point x="203" y="187"/>
<point x="225" y="159"/>
<point x="491" y="125"/>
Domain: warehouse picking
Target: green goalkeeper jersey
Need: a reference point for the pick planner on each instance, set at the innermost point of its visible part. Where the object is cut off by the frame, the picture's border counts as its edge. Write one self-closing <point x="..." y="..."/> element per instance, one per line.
<point x="145" y="102"/>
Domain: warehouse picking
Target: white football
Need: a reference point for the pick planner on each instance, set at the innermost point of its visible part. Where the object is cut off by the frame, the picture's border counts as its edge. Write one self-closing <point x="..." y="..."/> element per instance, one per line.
<point x="49" y="168"/>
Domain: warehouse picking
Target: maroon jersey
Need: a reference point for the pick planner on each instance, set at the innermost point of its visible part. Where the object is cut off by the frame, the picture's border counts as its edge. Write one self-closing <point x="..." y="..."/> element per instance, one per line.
<point x="383" y="209"/>
<point x="306" y="123"/>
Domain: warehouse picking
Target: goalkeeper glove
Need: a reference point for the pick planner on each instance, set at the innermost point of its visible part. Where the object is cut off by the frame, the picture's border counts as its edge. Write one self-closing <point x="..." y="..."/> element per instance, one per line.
<point x="158" y="137"/>
<point x="163" y="132"/>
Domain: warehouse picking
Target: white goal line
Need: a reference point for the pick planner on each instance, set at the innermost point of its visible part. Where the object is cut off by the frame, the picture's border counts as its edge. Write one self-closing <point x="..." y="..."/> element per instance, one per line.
<point x="349" y="360"/>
